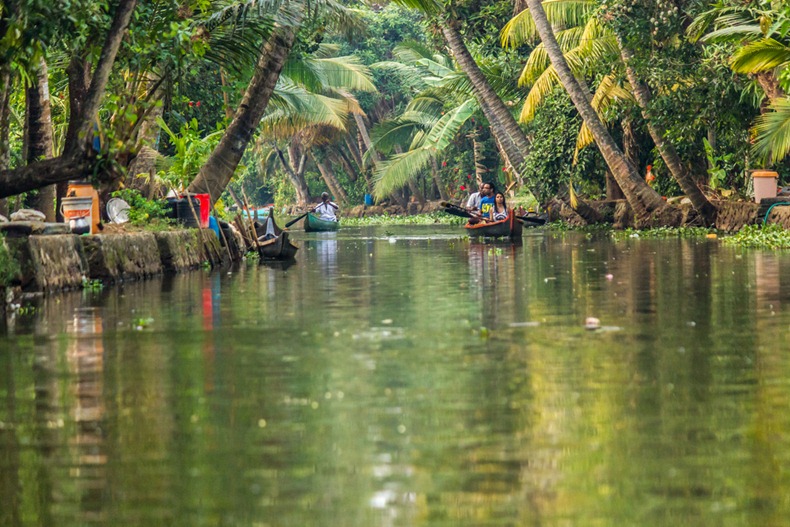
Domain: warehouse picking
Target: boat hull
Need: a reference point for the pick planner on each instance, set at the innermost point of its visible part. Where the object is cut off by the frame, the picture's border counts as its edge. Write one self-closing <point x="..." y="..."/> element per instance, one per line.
<point x="313" y="223"/>
<point x="507" y="228"/>
<point x="277" y="248"/>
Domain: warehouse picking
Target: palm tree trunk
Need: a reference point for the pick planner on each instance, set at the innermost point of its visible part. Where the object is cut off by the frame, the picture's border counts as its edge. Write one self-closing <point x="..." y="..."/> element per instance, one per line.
<point x="5" y="113"/>
<point x="101" y="75"/>
<point x="294" y="174"/>
<point x="74" y="163"/>
<point x="647" y="205"/>
<point x="38" y="139"/>
<point x="340" y="156"/>
<point x="669" y="154"/>
<point x="504" y="126"/>
<point x="437" y="180"/>
<point x="325" y="167"/>
<point x="216" y="172"/>
<point x="770" y="85"/>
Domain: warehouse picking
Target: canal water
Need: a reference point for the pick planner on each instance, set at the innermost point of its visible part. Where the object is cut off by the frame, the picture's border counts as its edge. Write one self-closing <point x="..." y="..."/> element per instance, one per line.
<point x="403" y="376"/>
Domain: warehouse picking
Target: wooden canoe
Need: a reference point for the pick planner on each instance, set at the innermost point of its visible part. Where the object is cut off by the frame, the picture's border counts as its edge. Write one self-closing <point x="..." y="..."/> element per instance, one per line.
<point x="313" y="223"/>
<point x="277" y="248"/>
<point x="507" y="228"/>
<point x="532" y="220"/>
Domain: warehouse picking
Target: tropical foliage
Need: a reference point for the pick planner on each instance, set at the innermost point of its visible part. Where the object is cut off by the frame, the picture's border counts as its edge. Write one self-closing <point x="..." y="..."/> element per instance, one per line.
<point x="413" y="100"/>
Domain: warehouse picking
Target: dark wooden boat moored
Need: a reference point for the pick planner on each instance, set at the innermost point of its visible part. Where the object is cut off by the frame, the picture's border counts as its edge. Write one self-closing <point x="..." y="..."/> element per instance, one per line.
<point x="278" y="247"/>
<point x="313" y="223"/>
<point x="533" y="220"/>
<point x="510" y="227"/>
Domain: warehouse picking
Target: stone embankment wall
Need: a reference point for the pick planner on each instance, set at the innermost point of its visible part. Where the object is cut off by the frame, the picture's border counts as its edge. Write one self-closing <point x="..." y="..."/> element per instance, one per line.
<point x="55" y="262"/>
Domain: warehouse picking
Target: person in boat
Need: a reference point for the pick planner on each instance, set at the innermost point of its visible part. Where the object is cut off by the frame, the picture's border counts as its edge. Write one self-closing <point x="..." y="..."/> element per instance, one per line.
<point x="486" y="204"/>
<point x="326" y="210"/>
<point x="500" y="211"/>
<point x="473" y="203"/>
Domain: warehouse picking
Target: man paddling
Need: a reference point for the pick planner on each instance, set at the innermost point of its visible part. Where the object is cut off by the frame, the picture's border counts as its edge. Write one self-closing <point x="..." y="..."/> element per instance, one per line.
<point x="326" y="209"/>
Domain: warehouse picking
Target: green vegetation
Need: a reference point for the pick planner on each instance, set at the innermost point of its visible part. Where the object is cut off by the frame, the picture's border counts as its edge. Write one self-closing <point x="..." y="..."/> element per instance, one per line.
<point x="9" y="267"/>
<point x="760" y="237"/>
<point x="413" y="99"/>
<point x="432" y="218"/>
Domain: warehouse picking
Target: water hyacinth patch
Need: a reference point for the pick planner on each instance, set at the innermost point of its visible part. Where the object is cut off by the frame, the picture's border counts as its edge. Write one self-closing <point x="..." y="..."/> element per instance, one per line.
<point x="760" y="236"/>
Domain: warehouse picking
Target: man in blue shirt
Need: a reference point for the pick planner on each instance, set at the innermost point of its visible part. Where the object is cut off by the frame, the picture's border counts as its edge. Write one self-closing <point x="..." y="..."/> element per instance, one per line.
<point x="486" y="203"/>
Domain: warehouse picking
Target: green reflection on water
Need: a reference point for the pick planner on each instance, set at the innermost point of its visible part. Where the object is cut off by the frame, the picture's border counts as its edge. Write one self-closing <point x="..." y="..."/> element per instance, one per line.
<point x="359" y="387"/>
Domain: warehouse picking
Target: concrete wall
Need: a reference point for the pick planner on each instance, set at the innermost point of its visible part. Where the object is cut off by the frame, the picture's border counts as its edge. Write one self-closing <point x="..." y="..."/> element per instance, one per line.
<point x="58" y="262"/>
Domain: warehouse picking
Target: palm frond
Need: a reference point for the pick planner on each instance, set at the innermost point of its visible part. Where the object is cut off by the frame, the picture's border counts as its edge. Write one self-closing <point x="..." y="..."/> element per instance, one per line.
<point x="537" y="62"/>
<point x="408" y="75"/>
<point x="425" y="105"/>
<point x="410" y="51"/>
<point x="428" y="7"/>
<point x="561" y="13"/>
<point x="734" y="33"/>
<point x="452" y="121"/>
<point x="772" y="142"/>
<point x="396" y="172"/>
<point x="386" y="135"/>
<point x="435" y="68"/>
<point x="541" y="89"/>
<point x="343" y="72"/>
<point x="608" y="93"/>
<point x="326" y="50"/>
<point x="763" y="55"/>
<point x="519" y="30"/>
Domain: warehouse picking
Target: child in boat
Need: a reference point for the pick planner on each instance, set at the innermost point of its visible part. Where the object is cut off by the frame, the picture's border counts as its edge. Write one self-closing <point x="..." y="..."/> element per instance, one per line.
<point x="326" y="209"/>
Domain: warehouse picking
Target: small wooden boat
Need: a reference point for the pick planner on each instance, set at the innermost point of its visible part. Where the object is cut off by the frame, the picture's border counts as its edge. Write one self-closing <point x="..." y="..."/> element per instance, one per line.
<point x="510" y="227"/>
<point x="273" y="242"/>
<point x="533" y="220"/>
<point x="313" y="223"/>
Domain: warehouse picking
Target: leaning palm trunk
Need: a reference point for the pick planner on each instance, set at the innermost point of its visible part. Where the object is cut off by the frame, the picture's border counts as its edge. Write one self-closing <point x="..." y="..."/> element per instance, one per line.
<point x="5" y="113"/>
<point x="647" y="205"/>
<point x="325" y="168"/>
<point x="216" y="172"/>
<point x="38" y="128"/>
<point x="503" y="125"/>
<point x="295" y="172"/>
<point x="669" y="154"/>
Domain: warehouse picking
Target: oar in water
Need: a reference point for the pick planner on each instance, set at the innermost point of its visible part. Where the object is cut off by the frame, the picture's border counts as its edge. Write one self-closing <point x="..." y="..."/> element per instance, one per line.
<point x="296" y="219"/>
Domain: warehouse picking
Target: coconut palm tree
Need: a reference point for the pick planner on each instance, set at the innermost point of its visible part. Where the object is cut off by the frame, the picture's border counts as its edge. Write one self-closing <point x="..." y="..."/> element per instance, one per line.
<point x="441" y="105"/>
<point x="312" y="107"/>
<point x="762" y="37"/>
<point x="506" y="130"/>
<point x="587" y="41"/>
<point x="647" y="205"/>
<point x="215" y="174"/>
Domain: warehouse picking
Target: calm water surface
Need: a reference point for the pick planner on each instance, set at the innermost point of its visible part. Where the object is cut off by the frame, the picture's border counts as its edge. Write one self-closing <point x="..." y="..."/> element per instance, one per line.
<point x="402" y="376"/>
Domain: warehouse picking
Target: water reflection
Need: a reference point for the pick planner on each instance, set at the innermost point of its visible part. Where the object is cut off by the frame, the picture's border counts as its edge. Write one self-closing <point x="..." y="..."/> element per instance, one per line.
<point x="409" y="378"/>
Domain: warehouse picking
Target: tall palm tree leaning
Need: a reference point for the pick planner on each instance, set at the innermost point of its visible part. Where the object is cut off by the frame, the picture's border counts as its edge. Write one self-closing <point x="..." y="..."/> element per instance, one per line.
<point x="216" y="172"/>
<point x="706" y="210"/>
<point x="504" y="127"/>
<point x="648" y="207"/>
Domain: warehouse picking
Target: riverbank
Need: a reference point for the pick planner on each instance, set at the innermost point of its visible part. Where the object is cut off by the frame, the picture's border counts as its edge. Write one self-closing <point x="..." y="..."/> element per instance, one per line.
<point x="37" y="258"/>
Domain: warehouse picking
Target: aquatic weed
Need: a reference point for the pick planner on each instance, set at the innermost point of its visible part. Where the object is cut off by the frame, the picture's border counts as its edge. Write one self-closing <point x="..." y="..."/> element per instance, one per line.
<point x="770" y="236"/>
<point x="431" y="218"/>
<point x="659" y="233"/>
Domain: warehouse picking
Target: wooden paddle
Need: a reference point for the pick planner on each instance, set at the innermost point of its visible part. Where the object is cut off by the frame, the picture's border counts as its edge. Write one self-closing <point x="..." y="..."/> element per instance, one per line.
<point x="455" y="210"/>
<point x="296" y="219"/>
